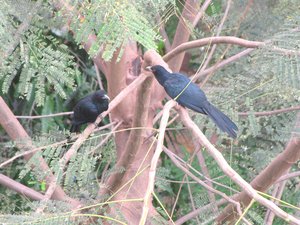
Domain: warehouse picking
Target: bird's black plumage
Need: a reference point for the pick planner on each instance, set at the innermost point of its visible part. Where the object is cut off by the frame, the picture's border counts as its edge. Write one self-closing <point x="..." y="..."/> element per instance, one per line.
<point x="188" y="94"/>
<point x="88" y="108"/>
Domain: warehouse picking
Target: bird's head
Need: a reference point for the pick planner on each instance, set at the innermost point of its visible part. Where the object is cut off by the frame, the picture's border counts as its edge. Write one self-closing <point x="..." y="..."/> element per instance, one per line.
<point x="156" y="69"/>
<point x="160" y="73"/>
<point x="100" y="96"/>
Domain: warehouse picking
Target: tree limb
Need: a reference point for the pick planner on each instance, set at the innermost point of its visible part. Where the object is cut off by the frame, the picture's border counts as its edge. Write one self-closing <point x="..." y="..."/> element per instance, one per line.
<point x="248" y="190"/>
<point x="211" y="40"/>
<point x="20" y="188"/>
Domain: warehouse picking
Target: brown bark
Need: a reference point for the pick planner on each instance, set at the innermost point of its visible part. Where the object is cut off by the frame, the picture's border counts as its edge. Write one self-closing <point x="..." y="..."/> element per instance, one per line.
<point x="278" y="167"/>
<point x="134" y="145"/>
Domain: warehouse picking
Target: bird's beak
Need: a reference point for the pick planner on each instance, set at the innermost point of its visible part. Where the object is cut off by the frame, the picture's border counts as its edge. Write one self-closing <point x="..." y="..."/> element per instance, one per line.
<point x="106" y="97"/>
<point x="148" y="68"/>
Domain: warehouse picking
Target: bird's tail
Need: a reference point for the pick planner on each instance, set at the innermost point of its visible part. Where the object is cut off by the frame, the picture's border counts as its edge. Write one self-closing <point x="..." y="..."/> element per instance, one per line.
<point x="75" y="128"/>
<point x="221" y="120"/>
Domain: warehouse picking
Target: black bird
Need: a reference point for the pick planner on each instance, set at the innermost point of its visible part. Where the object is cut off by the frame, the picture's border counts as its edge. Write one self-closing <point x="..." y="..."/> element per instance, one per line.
<point x="88" y="108"/>
<point x="188" y="94"/>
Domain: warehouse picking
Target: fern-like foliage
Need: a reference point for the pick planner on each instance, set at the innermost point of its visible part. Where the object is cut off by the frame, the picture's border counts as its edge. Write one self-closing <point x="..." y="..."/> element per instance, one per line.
<point x="116" y="23"/>
<point x="79" y="177"/>
<point x="37" y="60"/>
<point x="40" y="62"/>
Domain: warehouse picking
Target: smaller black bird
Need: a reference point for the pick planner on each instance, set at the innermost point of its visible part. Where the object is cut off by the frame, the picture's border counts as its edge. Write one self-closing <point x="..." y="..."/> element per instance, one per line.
<point x="88" y="108"/>
<point x="188" y="94"/>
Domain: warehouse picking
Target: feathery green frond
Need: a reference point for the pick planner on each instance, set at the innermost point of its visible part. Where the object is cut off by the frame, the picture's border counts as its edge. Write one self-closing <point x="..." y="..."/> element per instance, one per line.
<point x="115" y="24"/>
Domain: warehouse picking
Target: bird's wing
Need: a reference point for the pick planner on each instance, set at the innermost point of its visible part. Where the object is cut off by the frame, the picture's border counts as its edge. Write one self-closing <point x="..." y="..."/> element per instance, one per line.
<point x="175" y="84"/>
<point x="85" y="112"/>
<point x="192" y="96"/>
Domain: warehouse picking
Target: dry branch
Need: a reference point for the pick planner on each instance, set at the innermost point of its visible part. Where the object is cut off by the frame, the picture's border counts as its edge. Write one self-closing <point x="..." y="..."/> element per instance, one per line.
<point x="288" y="176"/>
<point x="277" y="193"/>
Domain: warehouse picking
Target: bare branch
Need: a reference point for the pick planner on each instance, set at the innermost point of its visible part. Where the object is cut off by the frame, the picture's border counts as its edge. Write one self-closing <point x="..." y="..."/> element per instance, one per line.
<point x="288" y="176"/>
<point x="45" y="116"/>
<point x="202" y="183"/>
<point x="196" y="212"/>
<point x="212" y="50"/>
<point x="205" y="171"/>
<point x="154" y="161"/>
<point x="277" y="193"/>
<point x="231" y="173"/>
<point x="211" y="40"/>
<point x="269" y="113"/>
<point x="183" y="31"/>
<point x="20" y="188"/>
<point x="201" y="12"/>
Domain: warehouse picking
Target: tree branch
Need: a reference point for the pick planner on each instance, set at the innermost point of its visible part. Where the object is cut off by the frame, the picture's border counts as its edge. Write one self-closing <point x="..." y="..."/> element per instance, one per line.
<point x="20" y="188"/>
<point x="202" y="183"/>
<point x="45" y="116"/>
<point x="277" y="193"/>
<point x="154" y="161"/>
<point x="288" y="176"/>
<point x="248" y="190"/>
<point x="269" y="113"/>
<point x="211" y="40"/>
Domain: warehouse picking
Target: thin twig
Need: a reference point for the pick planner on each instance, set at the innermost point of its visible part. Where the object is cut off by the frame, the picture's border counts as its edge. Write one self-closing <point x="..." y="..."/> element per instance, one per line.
<point x="98" y="76"/>
<point x="269" y="113"/>
<point x="45" y="116"/>
<point x="288" y="176"/>
<point x="107" y="137"/>
<point x="209" y="56"/>
<point x="201" y="12"/>
<point x="277" y="193"/>
<point x="202" y="183"/>
<point x="196" y="212"/>
<point x="192" y="199"/>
